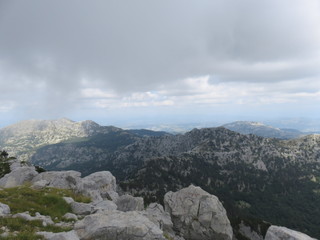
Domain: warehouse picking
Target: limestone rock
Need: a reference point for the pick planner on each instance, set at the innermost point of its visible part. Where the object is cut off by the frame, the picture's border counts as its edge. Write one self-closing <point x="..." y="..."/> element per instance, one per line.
<point x="81" y="208"/>
<point x="59" y="236"/>
<point x="18" y="176"/>
<point x="98" y="186"/>
<point x="4" y="209"/>
<point x="197" y="215"/>
<point x="70" y="216"/>
<point x="104" y="206"/>
<point x="283" y="233"/>
<point x="68" y="200"/>
<point x="58" y="179"/>
<point x="118" y="225"/>
<point x="46" y="220"/>
<point x="129" y="203"/>
<point x="156" y="214"/>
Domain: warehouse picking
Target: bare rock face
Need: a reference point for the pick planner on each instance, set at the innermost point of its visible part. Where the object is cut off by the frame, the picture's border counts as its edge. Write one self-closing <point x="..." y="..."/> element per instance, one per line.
<point x="118" y="225"/>
<point x="99" y="186"/>
<point x="129" y="203"/>
<point x="197" y="215"/>
<point x="57" y="179"/>
<point x="283" y="233"/>
<point x="18" y="176"/>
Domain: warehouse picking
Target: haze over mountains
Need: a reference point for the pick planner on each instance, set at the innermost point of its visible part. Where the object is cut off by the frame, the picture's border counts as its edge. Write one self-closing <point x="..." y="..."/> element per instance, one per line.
<point x="256" y="177"/>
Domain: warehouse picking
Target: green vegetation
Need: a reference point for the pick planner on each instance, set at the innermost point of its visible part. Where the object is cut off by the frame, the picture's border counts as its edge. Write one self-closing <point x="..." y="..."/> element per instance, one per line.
<point x="4" y="163"/>
<point x="47" y="201"/>
<point x="26" y="229"/>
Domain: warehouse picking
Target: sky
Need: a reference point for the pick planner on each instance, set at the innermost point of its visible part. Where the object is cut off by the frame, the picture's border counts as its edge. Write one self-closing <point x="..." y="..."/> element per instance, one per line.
<point x="125" y="62"/>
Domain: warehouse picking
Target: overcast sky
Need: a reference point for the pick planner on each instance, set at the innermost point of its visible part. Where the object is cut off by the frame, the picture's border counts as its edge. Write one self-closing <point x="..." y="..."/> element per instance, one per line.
<point x="159" y="61"/>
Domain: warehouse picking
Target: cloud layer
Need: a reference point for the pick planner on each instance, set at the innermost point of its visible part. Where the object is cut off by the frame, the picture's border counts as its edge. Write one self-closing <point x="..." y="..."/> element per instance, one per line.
<point x="66" y="55"/>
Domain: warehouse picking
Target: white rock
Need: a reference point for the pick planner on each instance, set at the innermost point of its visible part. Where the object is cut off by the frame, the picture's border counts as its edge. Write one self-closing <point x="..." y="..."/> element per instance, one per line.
<point x="98" y="186"/>
<point x="81" y="208"/>
<point x="129" y="203"/>
<point x="118" y="225"/>
<point x="58" y="179"/>
<point x="283" y="233"/>
<point x="18" y="176"/>
<point x="70" y="216"/>
<point x="104" y="206"/>
<point x="197" y="215"/>
<point x="46" y="220"/>
<point x="69" y="200"/>
<point x="59" y="236"/>
<point x="4" y="209"/>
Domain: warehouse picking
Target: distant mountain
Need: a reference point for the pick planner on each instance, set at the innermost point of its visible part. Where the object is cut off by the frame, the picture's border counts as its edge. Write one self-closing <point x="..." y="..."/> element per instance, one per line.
<point x="24" y="138"/>
<point x="263" y="130"/>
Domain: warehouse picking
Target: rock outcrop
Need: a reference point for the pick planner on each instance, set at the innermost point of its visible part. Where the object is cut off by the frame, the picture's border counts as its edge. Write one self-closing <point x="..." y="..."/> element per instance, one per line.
<point x="118" y="225"/>
<point x="283" y="233"/>
<point x="58" y="179"/>
<point x="98" y="186"/>
<point x="18" y="176"/>
<point x="197" y="215"/>
<point x="129" y="203"/>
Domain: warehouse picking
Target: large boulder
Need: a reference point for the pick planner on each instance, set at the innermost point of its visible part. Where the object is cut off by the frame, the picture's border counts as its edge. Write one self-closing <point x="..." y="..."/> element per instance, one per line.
<point x="283" y="233"/>
<point x="197" y="215"/>
<point x="58" y="179"/>
<point x="99" y="186"/>
<point x="18" y="176"/>
<point x="118" y="225"/>
<point x="129" y="203"/>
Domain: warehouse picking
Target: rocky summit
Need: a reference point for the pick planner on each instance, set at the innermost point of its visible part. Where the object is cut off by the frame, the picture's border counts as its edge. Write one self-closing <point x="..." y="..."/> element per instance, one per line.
<point x="189" y="214"/>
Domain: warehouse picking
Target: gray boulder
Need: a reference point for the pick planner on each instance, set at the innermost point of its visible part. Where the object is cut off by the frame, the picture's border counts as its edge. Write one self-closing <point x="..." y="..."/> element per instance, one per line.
<point x="81" y="208"/>
<point x="59" y="236"/>
<point x="18" y="176"/>
<point x="197" y="215"/>
<point x="98" y="186"/>
<point x="68" y="200"/>
<point x="70" y="216"/>
<point x="283" y="233"/>
<point x="4" y="209"/>
<point x="58" y="179"/>
<point x="118" y="225"/>
<point x="156" y="214"/>
<point x="104" y="206"/>
<point x="129" y="203"/>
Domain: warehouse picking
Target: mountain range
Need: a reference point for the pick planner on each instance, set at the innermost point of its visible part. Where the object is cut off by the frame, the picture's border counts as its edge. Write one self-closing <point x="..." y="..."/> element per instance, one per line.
<point x="257" y="178"/>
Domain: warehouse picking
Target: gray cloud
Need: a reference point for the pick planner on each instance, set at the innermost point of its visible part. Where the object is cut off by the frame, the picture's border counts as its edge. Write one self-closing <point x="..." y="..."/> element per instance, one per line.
<point x="140" y="45"/>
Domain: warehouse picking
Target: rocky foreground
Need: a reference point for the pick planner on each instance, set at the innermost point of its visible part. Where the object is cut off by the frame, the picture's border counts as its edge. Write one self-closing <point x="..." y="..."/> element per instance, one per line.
<point x="190" y="213"/>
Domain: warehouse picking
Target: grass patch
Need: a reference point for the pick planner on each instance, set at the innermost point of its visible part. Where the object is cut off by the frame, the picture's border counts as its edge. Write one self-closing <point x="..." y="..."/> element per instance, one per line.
<point x="27" y="229"/>
<point x="47" y="201"/>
